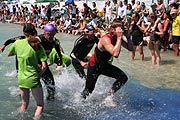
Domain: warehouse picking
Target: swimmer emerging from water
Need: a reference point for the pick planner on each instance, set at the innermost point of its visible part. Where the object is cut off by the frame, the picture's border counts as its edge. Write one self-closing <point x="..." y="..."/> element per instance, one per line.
<point x="108" y="46"/>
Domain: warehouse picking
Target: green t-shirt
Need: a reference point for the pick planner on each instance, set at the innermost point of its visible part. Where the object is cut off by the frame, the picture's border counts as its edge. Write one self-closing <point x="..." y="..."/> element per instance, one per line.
<point x="53" y="58"/>
<point x="27" y="63"/>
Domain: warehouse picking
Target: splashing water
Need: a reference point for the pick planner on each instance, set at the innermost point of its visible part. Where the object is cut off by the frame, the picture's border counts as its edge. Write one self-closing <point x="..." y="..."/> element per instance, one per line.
<point x="149" y="94"/>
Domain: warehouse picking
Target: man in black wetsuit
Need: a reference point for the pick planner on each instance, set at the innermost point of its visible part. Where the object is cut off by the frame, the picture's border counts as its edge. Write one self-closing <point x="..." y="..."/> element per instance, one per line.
<point x="82" y="47"/>
<point x="48" y="41"/>
<point x="109" y="45"/>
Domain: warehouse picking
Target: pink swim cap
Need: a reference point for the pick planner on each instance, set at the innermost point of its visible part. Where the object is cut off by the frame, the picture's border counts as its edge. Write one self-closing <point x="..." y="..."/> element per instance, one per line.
<point x="49" y="28"/>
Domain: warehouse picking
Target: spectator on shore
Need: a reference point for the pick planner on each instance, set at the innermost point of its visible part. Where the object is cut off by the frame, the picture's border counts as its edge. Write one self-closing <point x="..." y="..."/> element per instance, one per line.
<point x="155" y="39"/>
<point x="137" y="30"/>
<point x="175" y="31"/>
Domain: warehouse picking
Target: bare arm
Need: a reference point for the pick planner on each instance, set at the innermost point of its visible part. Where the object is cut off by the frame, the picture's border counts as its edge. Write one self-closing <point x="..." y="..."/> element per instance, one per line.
<point x="160" y="30"/>
<point x="166" y="26"/>
<point x="140" y="24"/>
<point x="105" y="44"/>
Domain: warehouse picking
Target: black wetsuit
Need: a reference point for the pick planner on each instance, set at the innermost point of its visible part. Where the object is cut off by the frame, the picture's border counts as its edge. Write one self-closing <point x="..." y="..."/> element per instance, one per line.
<point x="81" y="49"/>
<point x="47" y="76"/>
<point x="99" y="65"/>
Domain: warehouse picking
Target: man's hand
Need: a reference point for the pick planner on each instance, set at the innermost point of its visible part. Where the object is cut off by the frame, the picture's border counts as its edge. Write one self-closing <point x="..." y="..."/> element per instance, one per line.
<point x="2" y="48"/>
<point x="119" y="32"/>
<point x="84" y="64"/>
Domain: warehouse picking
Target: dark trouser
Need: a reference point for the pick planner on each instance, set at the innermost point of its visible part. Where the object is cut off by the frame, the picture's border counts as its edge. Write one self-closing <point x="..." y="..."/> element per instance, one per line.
<point x="48" y="79"/>
<point x="79" y="69"/>
<point x="108" y="70"/>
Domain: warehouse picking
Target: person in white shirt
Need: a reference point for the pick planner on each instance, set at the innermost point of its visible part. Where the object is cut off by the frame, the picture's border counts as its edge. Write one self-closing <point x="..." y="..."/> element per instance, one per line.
<point x="121" y="11"/>
<point x="133" y="4"/>
<point x="68" y="25"/>
<point x="108" y="13"/>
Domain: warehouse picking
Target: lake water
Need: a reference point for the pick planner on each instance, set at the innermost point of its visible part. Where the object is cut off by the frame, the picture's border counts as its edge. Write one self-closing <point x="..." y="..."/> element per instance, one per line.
<point x="150" y="93"/>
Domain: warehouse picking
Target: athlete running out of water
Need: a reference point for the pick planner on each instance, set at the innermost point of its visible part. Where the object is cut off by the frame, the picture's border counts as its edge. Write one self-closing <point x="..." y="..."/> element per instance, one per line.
<point x="28" y="58"/>
<point x="48" y="41"/>
<point x="82" y="47"/>
<point x="109" y="45"/>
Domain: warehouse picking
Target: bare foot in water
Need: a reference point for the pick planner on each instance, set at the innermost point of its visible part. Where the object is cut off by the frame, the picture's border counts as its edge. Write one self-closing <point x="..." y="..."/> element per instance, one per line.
<point x="109" y="101"/>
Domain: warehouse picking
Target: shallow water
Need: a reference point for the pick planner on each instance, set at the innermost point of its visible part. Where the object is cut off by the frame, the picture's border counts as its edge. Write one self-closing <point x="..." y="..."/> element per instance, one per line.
<point x="150" y="93"/>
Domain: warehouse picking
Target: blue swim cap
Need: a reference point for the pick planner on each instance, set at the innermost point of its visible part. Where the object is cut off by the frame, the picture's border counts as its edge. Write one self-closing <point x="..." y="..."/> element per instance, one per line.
<point x="49" y="28"/>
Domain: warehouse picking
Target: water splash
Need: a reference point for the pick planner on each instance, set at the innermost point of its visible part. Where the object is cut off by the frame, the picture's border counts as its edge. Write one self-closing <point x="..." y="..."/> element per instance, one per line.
<point x="11" y="73"/>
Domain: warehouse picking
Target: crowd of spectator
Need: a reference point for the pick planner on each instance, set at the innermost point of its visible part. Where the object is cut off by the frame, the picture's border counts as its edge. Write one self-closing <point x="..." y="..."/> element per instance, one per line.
<point x="145" y="25"/>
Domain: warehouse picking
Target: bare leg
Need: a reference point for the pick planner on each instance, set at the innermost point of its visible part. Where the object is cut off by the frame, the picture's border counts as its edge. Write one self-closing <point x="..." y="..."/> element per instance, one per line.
<point x="25" y="99"/>
<point x="176" y="49"/>
<point x="133" y="53"/>
<point x="158" y="57"/>
<point x="38" y="95"/>
<point x="141" y="53"/>
<point x="153" y="56"/>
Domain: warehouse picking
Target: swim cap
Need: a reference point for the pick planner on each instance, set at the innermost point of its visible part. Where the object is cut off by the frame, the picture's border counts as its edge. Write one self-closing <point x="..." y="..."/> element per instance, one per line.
<point x="49" y="28"/>
<point x="89" y="28"/>
<point x="30" y="29"/>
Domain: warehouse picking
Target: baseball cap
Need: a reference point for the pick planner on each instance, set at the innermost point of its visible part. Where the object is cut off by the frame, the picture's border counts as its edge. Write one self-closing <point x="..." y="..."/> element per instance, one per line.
<point x="30" y="29"/>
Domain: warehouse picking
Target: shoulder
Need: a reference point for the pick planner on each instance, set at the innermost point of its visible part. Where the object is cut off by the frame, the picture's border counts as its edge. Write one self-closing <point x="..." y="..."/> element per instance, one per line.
<point x="41" y="36"/>
<point x="21" y="41"/>
<point x="106" y="38"/>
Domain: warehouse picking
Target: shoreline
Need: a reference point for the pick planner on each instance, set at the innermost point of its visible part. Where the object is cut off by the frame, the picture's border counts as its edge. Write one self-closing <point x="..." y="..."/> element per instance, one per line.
<point x="167" y="76"/>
